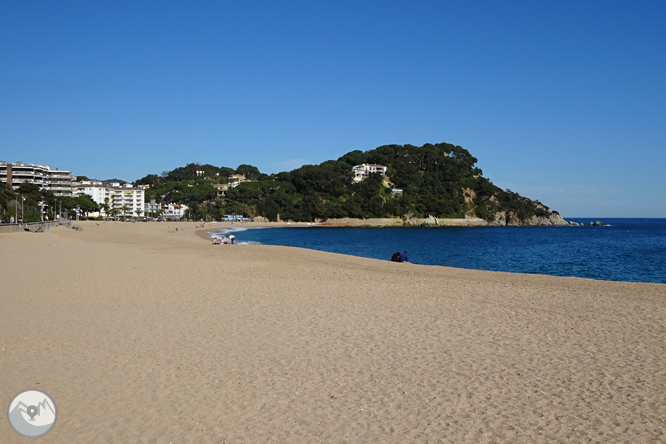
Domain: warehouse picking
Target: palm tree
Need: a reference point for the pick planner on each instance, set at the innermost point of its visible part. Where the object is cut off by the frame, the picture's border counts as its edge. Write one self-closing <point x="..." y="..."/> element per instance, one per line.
<point x="124" y="208"/>
<point x="193" y="210"/>
<point x="105" y="207"/>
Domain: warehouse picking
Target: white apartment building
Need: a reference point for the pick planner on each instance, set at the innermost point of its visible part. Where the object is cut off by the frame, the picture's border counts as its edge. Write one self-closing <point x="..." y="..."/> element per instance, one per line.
<point x="151" y="208"/>
<point x="55" y="180"/>
<point x="116" y="195"/>
<point x="364" y="170"/>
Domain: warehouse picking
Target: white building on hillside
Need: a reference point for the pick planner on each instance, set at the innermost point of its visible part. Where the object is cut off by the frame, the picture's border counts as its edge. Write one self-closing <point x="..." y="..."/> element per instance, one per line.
<point x="366" y="169"/>
<point x="235" y="180"/>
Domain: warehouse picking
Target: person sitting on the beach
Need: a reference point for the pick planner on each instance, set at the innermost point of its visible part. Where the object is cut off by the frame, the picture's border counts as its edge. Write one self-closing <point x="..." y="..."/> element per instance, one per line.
<point x="395" y="257"/>
<point x="403" y="257"/>
<point x="216" y="241"/>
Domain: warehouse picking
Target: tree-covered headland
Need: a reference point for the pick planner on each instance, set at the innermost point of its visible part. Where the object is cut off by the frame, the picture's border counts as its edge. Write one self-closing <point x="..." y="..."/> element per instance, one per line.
<point x="439" y="180"/>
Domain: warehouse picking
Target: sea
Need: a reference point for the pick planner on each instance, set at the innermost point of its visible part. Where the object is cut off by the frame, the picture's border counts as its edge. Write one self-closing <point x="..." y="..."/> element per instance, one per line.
<point x="622" y="250"/>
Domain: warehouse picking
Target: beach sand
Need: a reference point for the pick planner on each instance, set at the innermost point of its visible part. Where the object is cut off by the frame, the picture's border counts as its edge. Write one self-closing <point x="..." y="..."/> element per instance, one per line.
<point x="141" y="333"/>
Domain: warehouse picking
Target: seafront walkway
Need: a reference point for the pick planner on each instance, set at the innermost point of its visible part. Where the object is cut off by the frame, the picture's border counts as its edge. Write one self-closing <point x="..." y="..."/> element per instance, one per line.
<point x="32" y="226"/>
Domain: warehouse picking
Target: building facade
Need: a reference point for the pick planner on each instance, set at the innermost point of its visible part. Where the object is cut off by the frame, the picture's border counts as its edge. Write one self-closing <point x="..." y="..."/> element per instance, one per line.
<point x="123" y="200"/>
<point x="58" y="181"/>
<point x="174" y="211"/>
<point x="366" y="169"/>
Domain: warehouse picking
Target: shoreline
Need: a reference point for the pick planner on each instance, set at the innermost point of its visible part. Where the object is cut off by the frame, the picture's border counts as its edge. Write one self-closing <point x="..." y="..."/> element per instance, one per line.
<point x="286" y="239"/>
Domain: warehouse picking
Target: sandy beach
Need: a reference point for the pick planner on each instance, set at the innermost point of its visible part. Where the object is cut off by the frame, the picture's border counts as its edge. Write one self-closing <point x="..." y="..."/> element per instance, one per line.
<point x="141" y="333"/>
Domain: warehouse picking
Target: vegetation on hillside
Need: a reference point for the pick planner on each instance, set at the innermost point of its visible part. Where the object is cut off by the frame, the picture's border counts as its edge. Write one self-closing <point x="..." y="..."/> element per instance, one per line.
<point x="441" y="180"/>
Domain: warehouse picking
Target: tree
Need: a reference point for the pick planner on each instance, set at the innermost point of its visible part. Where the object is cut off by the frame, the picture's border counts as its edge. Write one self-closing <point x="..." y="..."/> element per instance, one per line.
<point x="86" y="204"/>
<point x="250" y="172"/>
<point x="26" y="188"/>
<point x="151" y="179"/>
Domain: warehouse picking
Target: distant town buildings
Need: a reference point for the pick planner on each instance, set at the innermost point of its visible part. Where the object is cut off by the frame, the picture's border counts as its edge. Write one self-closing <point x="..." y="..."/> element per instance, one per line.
<point x="126" y="200"/>
<point x="58" y="181"/>
<point x="366" y="169"/>
<point x="234" y="181"/>
<point x="174" y="211"/>
<point x="169" y="211"/>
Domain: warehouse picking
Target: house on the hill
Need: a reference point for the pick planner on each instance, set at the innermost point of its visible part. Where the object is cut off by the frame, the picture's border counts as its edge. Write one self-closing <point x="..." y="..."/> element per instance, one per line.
<point x="236" y="179"/>
<point x="364" y="170"/>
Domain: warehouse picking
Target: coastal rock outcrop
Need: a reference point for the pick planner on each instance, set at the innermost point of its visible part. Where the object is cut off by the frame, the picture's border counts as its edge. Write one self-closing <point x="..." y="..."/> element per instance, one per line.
<point x="502" y="219"/>
<point x="554" y="219"/>
<point x="430" y="221"/>
<point x="355" y="222"/>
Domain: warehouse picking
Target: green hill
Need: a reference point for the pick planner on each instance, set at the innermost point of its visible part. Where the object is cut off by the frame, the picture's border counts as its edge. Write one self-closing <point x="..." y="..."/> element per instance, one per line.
<point x="439" y="180"/>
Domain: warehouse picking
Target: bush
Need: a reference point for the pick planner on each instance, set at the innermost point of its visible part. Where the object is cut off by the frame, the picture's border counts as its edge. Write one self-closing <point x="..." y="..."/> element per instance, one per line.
<point x="481" y="211"/>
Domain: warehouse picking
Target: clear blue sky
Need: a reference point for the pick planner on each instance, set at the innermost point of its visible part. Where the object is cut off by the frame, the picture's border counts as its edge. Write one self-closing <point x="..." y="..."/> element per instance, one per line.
<point x="561" y="101"/>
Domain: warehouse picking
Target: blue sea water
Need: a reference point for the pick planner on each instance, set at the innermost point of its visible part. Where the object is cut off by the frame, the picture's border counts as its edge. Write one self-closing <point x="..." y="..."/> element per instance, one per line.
<point x="623" y="250"/>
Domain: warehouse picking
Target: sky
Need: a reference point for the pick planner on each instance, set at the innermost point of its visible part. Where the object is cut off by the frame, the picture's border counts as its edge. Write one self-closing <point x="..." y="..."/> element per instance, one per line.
<point x="560" y="101"/>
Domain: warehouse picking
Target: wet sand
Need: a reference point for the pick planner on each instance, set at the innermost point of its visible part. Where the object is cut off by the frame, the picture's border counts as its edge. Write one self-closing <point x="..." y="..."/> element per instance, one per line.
<point x="142" y="333"/>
